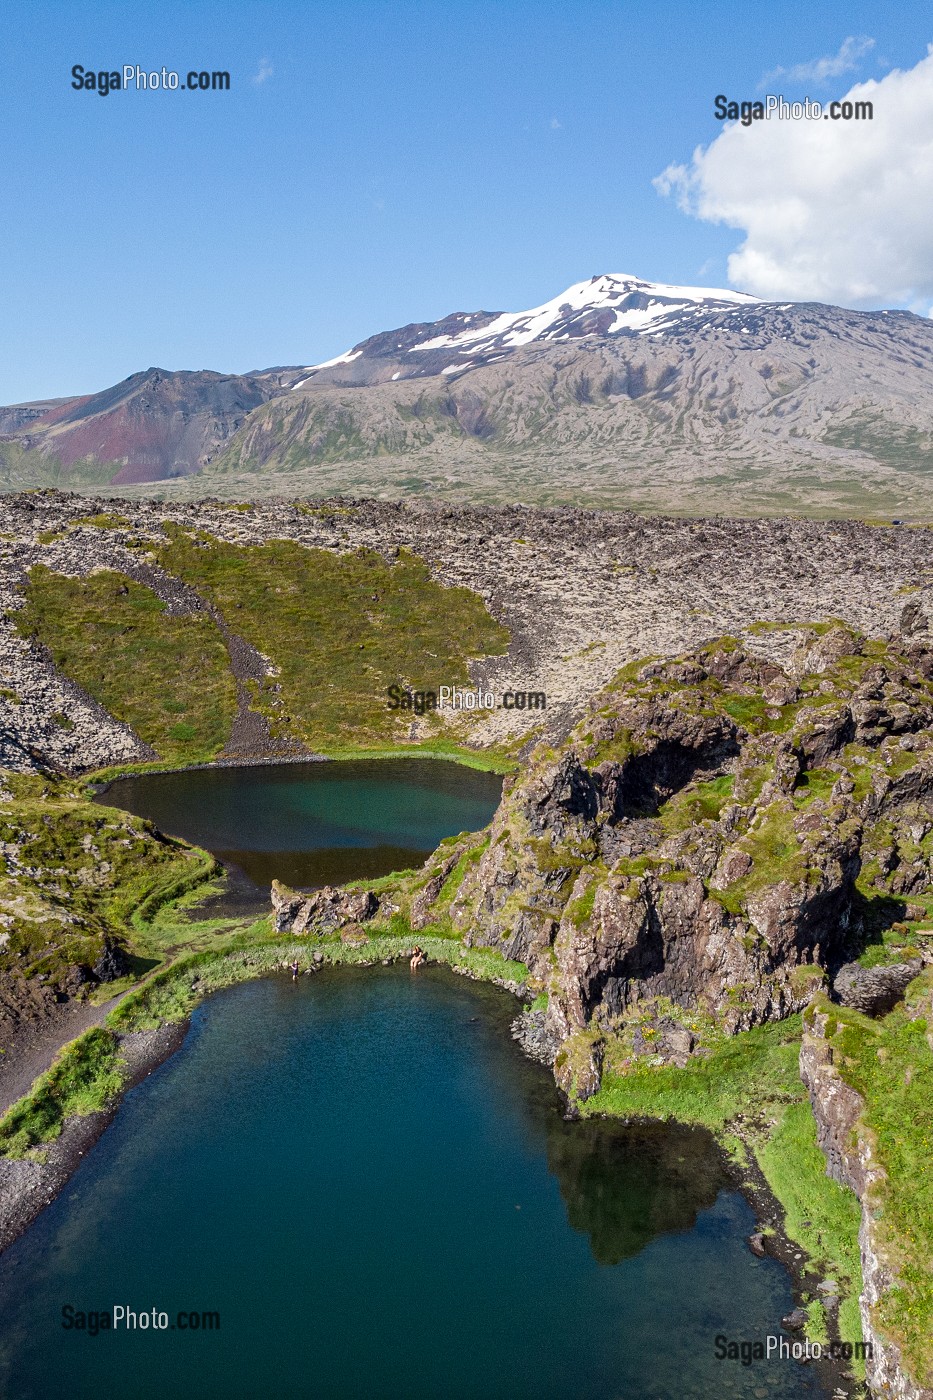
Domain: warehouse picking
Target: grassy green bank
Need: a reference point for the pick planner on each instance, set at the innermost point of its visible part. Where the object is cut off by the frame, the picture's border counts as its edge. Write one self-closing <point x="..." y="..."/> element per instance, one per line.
<point x="889" y="1062"/>
<point x="86" y="1077"/>
<point x="338" y="630"/>
<point x="88" y="1073"/>
<point x="489" y="759"/>
<point x="77" y="878"/>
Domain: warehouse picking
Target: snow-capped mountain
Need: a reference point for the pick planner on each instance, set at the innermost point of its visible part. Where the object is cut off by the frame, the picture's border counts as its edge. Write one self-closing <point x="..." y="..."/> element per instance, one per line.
<point x="613" y="304"/>
<point x="617" y="389"/>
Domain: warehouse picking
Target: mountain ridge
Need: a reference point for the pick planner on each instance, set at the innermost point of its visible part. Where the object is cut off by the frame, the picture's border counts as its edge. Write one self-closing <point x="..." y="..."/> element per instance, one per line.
<point x="656" y="395"/>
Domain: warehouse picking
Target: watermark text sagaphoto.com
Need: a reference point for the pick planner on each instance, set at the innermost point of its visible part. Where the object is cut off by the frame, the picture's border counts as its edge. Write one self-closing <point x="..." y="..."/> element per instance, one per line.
<point x="726" y="109"/>
<point x="132" y="78"/>
<point x="452" y="697"/>
<point x="121" y="1318"/>
<point x="775" y="1348"/>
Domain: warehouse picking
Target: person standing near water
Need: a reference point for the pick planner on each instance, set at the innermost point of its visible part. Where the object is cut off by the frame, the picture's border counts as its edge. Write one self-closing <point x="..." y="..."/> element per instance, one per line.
<point x="417" y="958"/>
<point x="294" y="967"/>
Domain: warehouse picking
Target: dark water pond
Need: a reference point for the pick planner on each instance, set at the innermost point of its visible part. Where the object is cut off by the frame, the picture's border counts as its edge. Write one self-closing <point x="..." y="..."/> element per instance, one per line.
<point x="315" y="823"/>
<point x="378" y="1194"/>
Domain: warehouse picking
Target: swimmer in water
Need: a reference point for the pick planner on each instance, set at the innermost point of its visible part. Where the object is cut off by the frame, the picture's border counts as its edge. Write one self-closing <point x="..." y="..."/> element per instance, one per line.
<point x="417" y="958"/>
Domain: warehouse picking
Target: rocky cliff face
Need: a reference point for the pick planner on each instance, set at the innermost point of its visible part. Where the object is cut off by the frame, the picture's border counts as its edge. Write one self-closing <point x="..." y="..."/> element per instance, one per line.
<point x="721" y="842"/>
<point x="697" y="840"/>
<point x="852" y="1160"/>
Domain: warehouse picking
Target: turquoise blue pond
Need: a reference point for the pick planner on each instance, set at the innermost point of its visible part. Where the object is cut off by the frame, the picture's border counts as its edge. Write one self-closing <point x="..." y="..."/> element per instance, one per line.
<point x="315" y="823"/>
<point x="378" y="1195"/>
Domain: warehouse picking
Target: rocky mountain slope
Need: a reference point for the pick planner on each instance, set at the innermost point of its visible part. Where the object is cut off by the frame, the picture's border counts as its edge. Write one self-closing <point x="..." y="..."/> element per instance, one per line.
<point x="771" y="403"/>
<point x="616" y="391"/>
<point x="154" y="426"/>
<point x="607" y="307"/>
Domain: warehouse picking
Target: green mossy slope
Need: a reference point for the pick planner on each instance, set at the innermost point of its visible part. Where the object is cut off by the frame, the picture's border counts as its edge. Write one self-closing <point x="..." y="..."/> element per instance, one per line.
<point x="74" y="875"/>
<point x="168" y="677"/>
<point x="339" y="629"/>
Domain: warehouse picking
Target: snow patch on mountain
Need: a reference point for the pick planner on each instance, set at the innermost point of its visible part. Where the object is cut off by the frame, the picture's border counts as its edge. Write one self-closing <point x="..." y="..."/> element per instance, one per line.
<point x="634" y="306"/>
<point x="608" y="305"/>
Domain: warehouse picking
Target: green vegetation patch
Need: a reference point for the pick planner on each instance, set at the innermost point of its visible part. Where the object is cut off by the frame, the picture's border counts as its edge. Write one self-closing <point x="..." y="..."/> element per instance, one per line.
<point x="890" y="1063"/>
<point x="170" y="995"/>
<point x="74" y="874"/>
<point x="699" y="802"/>
<point x="580" y="910"/>
<point x="747" y="1090"/>
<point x="166" y="676"/>
<point x="776" y="854"/>
<point x="820" y="1214"/>
<point x="757" y="1067"/>
<point x="340" y="629"/>
<point x="102" y="521"/>
<point x="85" y="1076"/>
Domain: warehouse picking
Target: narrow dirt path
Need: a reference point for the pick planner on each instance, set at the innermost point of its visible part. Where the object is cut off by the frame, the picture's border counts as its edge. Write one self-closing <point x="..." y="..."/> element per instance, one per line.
<point x="250" y="737"/>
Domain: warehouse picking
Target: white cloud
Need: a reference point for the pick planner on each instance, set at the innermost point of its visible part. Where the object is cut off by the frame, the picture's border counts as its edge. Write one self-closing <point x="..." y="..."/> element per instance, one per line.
<point x="851" y="51"/>
<point x="264" y="71"/>
<point x="838" y="211"/>
<point x="556" y="125"/>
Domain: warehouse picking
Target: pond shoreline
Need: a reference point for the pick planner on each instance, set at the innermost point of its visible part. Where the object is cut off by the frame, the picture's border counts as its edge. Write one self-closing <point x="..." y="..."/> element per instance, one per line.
<point x="29" y="1185"/>
<point x="484" y="760"/>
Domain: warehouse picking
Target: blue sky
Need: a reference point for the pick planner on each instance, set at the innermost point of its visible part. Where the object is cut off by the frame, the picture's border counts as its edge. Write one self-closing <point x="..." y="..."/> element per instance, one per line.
<point x="396" y="161"/>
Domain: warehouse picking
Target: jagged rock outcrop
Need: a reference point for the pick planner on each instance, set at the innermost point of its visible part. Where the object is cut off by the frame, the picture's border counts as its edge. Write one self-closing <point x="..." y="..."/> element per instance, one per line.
<point x="874" y="990"/>
<point x="698" y="837"/>
<point x="112" y="962"/>
<point x="578" y="1067"/>
<point x="323" y="911"/>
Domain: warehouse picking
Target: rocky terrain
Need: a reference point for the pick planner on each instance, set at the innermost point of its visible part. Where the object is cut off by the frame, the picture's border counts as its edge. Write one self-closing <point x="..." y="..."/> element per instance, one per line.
<point x="580" y="593"/>
<point x="717" y="834"/>
<point x="720" y="843"/>
<point x="723" y="817"/>
<point x="154" y="426"/>
<point x="618" y="392"/>
<point x="72" y="874"/>
<point x="781" y="406"/>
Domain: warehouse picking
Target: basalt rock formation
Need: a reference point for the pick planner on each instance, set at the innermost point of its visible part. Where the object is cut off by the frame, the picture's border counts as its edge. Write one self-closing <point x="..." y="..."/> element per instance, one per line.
<point x="323" y="911"/>
<point x="717" y="835"/>
<point x="874" y="990"/>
